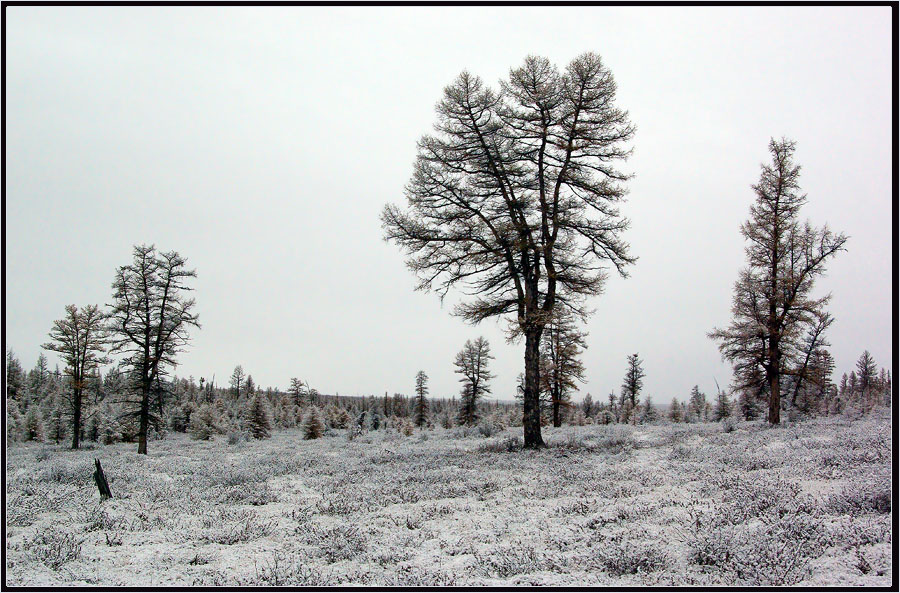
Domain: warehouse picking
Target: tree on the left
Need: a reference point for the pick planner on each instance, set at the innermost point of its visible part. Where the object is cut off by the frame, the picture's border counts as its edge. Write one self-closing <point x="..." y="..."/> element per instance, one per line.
<point x="80" y="338"/>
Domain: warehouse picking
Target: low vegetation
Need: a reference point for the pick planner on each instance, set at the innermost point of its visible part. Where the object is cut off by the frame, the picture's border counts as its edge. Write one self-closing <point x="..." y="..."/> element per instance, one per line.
<point x="805" y="503"/>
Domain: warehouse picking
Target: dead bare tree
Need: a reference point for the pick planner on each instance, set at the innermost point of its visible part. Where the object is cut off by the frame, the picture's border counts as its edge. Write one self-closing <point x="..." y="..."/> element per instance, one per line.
<point x="514" y="200"/>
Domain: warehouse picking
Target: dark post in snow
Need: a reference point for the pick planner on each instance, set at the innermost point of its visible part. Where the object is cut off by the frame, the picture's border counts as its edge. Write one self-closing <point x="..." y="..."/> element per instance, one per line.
<point x="102" y="484"/>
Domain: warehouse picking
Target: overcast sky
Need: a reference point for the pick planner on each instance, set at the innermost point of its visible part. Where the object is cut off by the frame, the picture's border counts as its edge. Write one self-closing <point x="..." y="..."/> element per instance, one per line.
<point x="262" y="143"/>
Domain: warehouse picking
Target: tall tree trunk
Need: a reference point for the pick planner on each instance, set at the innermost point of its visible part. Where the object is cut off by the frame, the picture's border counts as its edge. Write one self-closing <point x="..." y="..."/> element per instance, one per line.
<point x="557" y="421"/>
<point x="76" y="414"/>
<point x="774" y="384"/>
<point x="531" y="418"/>
<point x="145" y="417"/>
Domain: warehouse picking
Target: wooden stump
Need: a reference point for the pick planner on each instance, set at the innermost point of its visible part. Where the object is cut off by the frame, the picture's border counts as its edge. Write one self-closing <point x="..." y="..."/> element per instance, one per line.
<point x="102" y="484"/>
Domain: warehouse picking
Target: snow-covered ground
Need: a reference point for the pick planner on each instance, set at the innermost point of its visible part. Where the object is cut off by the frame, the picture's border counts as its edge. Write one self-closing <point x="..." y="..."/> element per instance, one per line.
<point x="802" y="504"/>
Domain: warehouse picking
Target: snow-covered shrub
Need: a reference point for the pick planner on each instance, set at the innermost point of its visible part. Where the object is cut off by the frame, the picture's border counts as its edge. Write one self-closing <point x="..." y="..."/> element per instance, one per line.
<point x="729" y="424"/>
<point x="205" y="422"/>
<point x="487" y="428"/>
<point x="247" y="528"/>
<point x="235" y="437"/>
<point x="285" y="571"/>
<point x="870" y="496"/>
<point x="312" y="426"/>
<point x="341" y="542"/>
<point x="258" y="494"/>
<point x="68" y="471"/>
<point x="619" y="555"/>
<point x="98" y="519"/>
<point x="773" y="552"/>
<point x="414" y="576"/>
<point x="746" y="497"/>
<point x="406" y="428"/>
<point x="509" y="561"/>
<point x="53" y="547"/>
<point x="616" y="438"/>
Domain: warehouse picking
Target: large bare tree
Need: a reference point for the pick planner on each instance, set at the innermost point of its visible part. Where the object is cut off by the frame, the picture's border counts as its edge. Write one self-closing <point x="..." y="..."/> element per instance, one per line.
<point x="150" y="318"/>
<point x="773" y="304"/>
<point x="80" y="337"/>
<point x="514" y="200"/>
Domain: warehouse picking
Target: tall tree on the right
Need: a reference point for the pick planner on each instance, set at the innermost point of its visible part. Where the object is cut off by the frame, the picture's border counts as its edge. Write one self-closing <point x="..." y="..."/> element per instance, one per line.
<point x="773" y="303"/>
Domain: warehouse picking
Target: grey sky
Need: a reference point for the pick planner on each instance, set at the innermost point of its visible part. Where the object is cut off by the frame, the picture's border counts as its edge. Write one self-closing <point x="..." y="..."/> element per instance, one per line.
<point x="262" y="143"/>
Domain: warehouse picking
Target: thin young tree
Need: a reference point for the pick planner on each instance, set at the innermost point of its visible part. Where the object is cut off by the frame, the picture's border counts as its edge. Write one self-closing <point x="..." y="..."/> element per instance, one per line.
<point x="421" y="406"/>
<point x="866" y="378"/>
<point x="150" y="318"/>
<point x="298" y="391"/>
<point x="697" y="405"/>
<point x="472" y="362"/>
<point x="515" y="201"/>
<point x="80" y="338"/>
<point x="675" y="412"/>
<point x="632" y="385"/>
<point x="237" y="382"/>
<point x="563" y="344"/>
<point x="258" y="417"/>
<point x="773" y="300"/>
<point x="723" y="406"/>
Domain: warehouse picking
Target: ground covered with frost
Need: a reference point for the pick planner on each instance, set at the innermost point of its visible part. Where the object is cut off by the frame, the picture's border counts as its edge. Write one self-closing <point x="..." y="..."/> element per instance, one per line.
<point x="802" y="504"/>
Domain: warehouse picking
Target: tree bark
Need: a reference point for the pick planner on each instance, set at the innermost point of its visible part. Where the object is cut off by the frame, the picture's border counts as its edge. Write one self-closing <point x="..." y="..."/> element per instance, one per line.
<point x="774" y="384"/>
<point x="557" y="421"/>
<point x="76" y="414"/>
<point x="145" y="418"/>
<point x="531" y="418"/>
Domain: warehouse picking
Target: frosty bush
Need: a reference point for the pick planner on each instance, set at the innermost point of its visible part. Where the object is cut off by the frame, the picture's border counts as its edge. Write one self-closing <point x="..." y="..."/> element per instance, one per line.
<point x="487" y="428"/>
<point x="53" y="547"/>
<point x="246" y="529"/>
<point x="342" y="542"/>
<point x="620" y="555"/>
<point x="235" y="437"/>
<point x="772" y="552"/>
<point x="507" y="562"/>
<point x="285" y="571"/>
<point x="204" y="423"/>
<point x="616" y="438"/>
<point x="870" y="496"/>
<point x="507" y="445"/>
<point x="312" y="426"/>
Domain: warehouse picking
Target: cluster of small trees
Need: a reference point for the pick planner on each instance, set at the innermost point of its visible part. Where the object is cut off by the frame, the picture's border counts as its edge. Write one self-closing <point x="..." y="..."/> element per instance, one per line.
<point x="146" y="324"/>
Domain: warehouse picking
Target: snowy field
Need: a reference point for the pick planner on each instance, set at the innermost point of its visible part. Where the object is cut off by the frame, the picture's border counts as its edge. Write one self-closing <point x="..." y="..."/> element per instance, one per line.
<point x="802" y="504"/>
